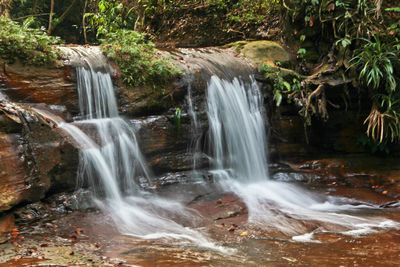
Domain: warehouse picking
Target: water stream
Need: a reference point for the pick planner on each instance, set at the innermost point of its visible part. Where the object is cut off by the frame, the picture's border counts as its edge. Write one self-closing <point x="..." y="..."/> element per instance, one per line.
<point x="111" y="162"/>
<point x="238" y="138"/>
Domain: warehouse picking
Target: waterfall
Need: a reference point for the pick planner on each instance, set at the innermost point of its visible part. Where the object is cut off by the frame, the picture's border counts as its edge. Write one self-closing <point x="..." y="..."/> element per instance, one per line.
<point x="237" y="128"/>
<point x="111" y="161"/>
<point x="238" y="145"/>
<point x="2" y="87"/>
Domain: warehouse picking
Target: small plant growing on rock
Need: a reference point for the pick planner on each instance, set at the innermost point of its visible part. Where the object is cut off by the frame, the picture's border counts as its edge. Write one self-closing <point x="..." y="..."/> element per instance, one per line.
<point x="140" y="63"/>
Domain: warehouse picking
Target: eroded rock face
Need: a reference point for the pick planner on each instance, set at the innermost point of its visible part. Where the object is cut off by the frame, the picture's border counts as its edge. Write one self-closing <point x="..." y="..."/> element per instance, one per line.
<point x="35" y="156"/>
<point x="167" y="146"/>
<point x="32" y="84"/>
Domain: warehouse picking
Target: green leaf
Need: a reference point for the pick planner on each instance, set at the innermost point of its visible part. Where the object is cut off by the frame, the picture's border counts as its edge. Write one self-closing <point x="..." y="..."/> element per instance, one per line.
<point x="278" y="98"/>
<point x="287" y="85"/>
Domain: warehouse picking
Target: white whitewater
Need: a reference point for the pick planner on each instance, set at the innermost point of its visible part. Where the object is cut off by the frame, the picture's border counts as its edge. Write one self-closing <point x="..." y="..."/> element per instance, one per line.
<point x="111" y="161"/>
<point x="238" y="140"/>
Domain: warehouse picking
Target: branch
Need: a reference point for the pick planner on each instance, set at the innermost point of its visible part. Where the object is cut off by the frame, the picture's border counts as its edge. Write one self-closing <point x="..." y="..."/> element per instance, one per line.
<point x="84" y="22"/>
<point x="63" y="15"/>
<point x="51" y="17"/>
<point x="33" y="15"/>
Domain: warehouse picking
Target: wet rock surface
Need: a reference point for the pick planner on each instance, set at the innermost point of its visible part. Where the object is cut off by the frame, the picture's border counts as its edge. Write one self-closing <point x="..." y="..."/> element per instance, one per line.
<point x="354" y="171"/>
<point x="166" y="145"/>
<point x="87" y="237"/>
<point x="36" y="157"/>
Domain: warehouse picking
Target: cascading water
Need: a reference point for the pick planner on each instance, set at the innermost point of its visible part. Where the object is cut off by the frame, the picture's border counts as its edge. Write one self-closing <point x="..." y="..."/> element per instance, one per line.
<point x="111" y="161"/>
<point x="238" y="140"/>
<point x="237" y="128"/>
<point x="194" y="146"/>
<point x="2" y="85"/>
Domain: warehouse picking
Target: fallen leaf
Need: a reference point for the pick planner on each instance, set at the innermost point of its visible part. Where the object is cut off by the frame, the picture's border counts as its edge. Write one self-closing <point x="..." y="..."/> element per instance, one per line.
<point x="384" y="192"/>
<point x="244" y="234"/>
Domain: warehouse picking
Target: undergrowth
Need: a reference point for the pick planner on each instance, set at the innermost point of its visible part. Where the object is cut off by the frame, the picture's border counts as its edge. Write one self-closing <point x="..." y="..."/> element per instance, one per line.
<point x="353" y="41"/>
<point x="30" y="46"/>
<point x="138" y="60"/>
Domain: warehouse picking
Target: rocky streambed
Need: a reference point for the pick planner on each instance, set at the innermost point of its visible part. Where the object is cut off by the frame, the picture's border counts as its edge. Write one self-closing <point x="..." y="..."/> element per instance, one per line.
<point x="66" y="230"/>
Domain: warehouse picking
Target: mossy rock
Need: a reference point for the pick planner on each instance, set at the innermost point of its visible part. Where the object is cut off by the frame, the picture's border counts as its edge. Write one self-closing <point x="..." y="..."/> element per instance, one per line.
<point x="237" y="46"/>
<point x="266" y="52"/>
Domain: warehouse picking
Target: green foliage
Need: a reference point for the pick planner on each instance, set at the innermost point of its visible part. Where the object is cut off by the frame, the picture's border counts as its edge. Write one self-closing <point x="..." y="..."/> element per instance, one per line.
<point x="138" y="60"/>
<point x="30" y="46"/>
<point x="378" y="64"/>
<point x="364" y="36"/>
<point x="353" y="18"/>
<point x="301" y="53"/>
<point x="250" y="10"/>
<point x="393" y="9"/>
<point x="111" y="16"/>
<point x="281" y="87"/>
<point x="375" y="60"/>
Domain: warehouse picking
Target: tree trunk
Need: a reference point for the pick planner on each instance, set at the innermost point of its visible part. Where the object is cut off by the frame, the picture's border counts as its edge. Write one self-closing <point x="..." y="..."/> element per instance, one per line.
<point x="34" y="7"/>
<point x="63" y="15"/>
<point x="51" y="17"/>
<point x="84" y="22"/>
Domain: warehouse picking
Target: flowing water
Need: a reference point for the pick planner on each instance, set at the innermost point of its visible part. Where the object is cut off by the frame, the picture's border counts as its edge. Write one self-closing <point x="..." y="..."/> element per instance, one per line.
<point x="111" y="162"/>
<point x="238" y="138"/>
<point x="2" y="87"/>
<point x="260" y="221"/>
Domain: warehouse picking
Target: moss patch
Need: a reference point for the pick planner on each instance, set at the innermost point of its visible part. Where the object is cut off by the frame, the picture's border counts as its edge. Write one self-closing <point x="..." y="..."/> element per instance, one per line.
<point x="266" y="52"/>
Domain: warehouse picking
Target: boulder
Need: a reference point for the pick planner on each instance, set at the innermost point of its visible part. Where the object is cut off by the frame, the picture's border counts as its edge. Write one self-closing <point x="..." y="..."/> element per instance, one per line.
<point x="54" y="85"/>
<point x="35" y="156"/>
<point x="266" y="52"/>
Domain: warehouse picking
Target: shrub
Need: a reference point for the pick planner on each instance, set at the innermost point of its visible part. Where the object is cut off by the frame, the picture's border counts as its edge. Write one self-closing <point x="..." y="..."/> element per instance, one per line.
<point x="378" y="64"/>
<point x="138" y="60"/>
<point x="30" y="46"/>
